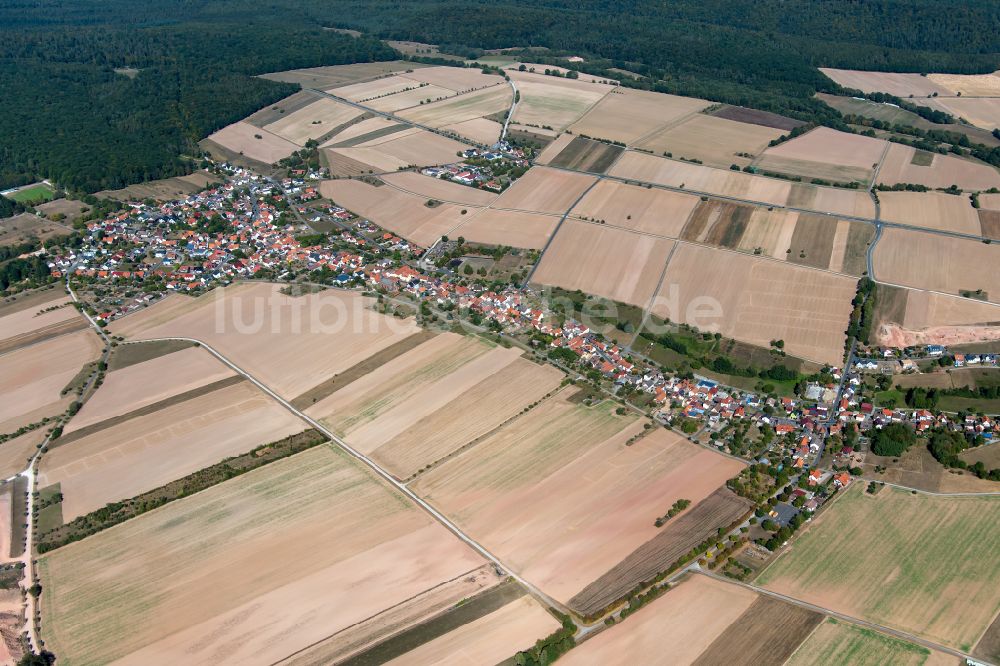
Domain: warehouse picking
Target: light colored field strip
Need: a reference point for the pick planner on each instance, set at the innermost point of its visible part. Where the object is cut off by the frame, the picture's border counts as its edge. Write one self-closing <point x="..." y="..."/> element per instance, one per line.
<point x="555" y="231"/>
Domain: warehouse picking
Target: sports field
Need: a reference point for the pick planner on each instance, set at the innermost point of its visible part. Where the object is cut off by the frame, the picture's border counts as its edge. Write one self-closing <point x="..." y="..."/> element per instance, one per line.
<point x="920" y="563"/>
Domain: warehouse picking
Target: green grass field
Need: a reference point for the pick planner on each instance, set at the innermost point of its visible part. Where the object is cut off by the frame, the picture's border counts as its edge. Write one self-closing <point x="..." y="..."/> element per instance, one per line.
<point x="955" y="404"/>
<point x="35" y="193"/>
<point x="837" y="643"/>
<point x="916" y="562"/>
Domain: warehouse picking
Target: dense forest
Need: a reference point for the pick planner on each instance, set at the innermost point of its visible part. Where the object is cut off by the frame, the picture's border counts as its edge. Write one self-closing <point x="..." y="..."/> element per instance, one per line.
<point x="70" y="117"/>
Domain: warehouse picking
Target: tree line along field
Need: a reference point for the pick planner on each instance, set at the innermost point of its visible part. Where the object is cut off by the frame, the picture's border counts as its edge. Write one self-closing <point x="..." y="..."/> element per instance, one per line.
<point x="915" y="562"/>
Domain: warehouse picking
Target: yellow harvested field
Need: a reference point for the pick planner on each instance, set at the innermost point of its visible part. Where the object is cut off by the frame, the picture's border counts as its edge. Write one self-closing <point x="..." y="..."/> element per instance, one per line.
<point x="6" y="515"/>
<point x="560" y="497"/>
<point x="242" y="138"/>
<point x="980" y="111"/>
<point x="34" y="318"/>
<point x="545" y="190"/>
<point x="935" y="262"/>
<point x="15" y="454"/>
<point x="464" y="107"/>
<point x="771" y="231"/>
<point x="931" y="210"/>
<point x="146" y="452"/>
<point x="900" y="85"/>
<point x="404" y="149"/>
<point x="554" y="148"/>
<point x="491" y="639"/>
<point x="410" y="98"/>
<point x="438" y="188"/>
<point x="313" y="121"/>
<point x="231" y="574"/>
<point x="628" y="115"/>
<point x="714" y="141"/>
<point x="369" y="90"/>
<point x="976" y="85"/>
<point x="614" y="263"/>
<point x="654" y="211"/>
<point x="552" y="101"/>
<point x="481" y="130"/>
<point x="990" y="201"/>
<point x="290" y="344"/>
<point x="673" y="630"/>
<point x="143" y="384"/>
<point x="508" y="227"/>
<point x="943" y="171"/>
<point x="825" y="153"/>
<point x="757" y="300"/>
<point x="360" y="129"/>
<point x="32" y="378"/>
<point x="459" y="79"/>
<point x="405" y="214"/>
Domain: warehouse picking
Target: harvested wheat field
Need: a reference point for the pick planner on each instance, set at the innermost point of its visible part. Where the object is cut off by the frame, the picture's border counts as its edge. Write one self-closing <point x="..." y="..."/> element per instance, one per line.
<point x="405" y="214"/>
<point x="15" y="454"/>
<point x="976" y="85"/>
<point x="508" y="227"/>
<point x="458" y="79"/>
<point x="231" y="573"/>
<point x="654" y="210"/>
<point x="825" y="153"/>
<point x="424" y="405"/>
<point x="439" y="188"/>
<point x="555" y="147"/>
<point x="411" y="147"/>
<point x="832" y="200"/>
<point x="490" y="639"/>
<point x="290" y="344"/>
<point x="931" y="210"/>
<point x="411" y="98"/>
<point x="628" y="115"/>
<point x="990" y="201"/>
<point x="314" y="120"/>
<point x="931" y="261"/>
<point x="138" y="454"/>
<point x="715" y="141"/>
<point x="769" y="232"/>
<point x="980" y="111"/>
<point x="32" y="378"/>
<point x="614" y="263"/>
<point x="480" y="130"/>
<point x="253" y="142"/>
<point x="587" y="155"/>
<point x="144" y="384"/>
<point x="836" y="643"/>
<point x="915" y="562"/>
<point x="559" y="495"/>
<point x="363" y="130"/>
<point x="719" y="223"/>
<point x="333" y="76"/>
<point x="544" y="190"/>
<point x="468" y="106"/>
<point x="902" y="165"/>
<point x="38" y="316"/>
<point x="900" y="85"/>
<point x="554" y="102"/>
<point x="757" y="300"/>
<point x="365" y="91"/>
<point x="672" y="630"/>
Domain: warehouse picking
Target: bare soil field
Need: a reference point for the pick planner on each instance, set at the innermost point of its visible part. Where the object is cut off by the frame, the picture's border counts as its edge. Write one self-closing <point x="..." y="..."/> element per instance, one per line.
<point x="477" y="104"/>
<point x="587" y="155"/>
<point x="143" y="384"/>
<point x="989" y="455"/>
<point x="932" y="210"/>
<point x="440" y="189"/>
<point x="511" y="228"/>
<point x="654" y="211"/>
<point x="989" y="220"/>
<point x="628" y="115"/>
<point x="944" y="171"/>
<point x="812" y="242"/>
<point x="836" y="643"/>
<point x="291" y="344"/>
<point x="15" y="454"/>
<point x="544" y="190"/>
<point x="827" y="154"/>
<point x="613" y="263"/>
<point x="850" y="246"/>
<point x="165" y="189"/>
<point x="713" y="140"/>
<point x="930" y="318"/>
<point x="32" y="378"/>
<point x="719" y="510"/>
<point x="405" y="214"/>
<point x="481" y="130"/>
<point x="990" y="201"/>
<point x="976" y="85"/>
<point x="68" y="208"/>
<point x="325" y="78"/>
<point x="980" y="111"/>
<point x="144" y="453"/>
<point x="939" y="263"/>
<point x="756" y="117"/>
<point x="758" y="300"/>
<point x="674" y="629"/>
<point x="26" y="226"/>
<point x="900" y="85"/>
<point x="554" y="148"/>
<point x="915" y="562"/>
<point x="490" y="639"/>
<point x="242" y="138"/>
<point x="552" y="101"/>
<point x="244" y="559"/>
<point x="559" y="495"/>
<point x="313" y="121"/>
<point x="5" y="519"/>
<point x="403" y="149"/>
<point x="718" y="223"/>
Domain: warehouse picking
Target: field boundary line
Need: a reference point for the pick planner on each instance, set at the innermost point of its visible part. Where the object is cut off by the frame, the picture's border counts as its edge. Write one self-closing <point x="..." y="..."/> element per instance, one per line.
<point x="647" y="311"/>
<point x="932" y="493"/>
<point x="548" y="243"/>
